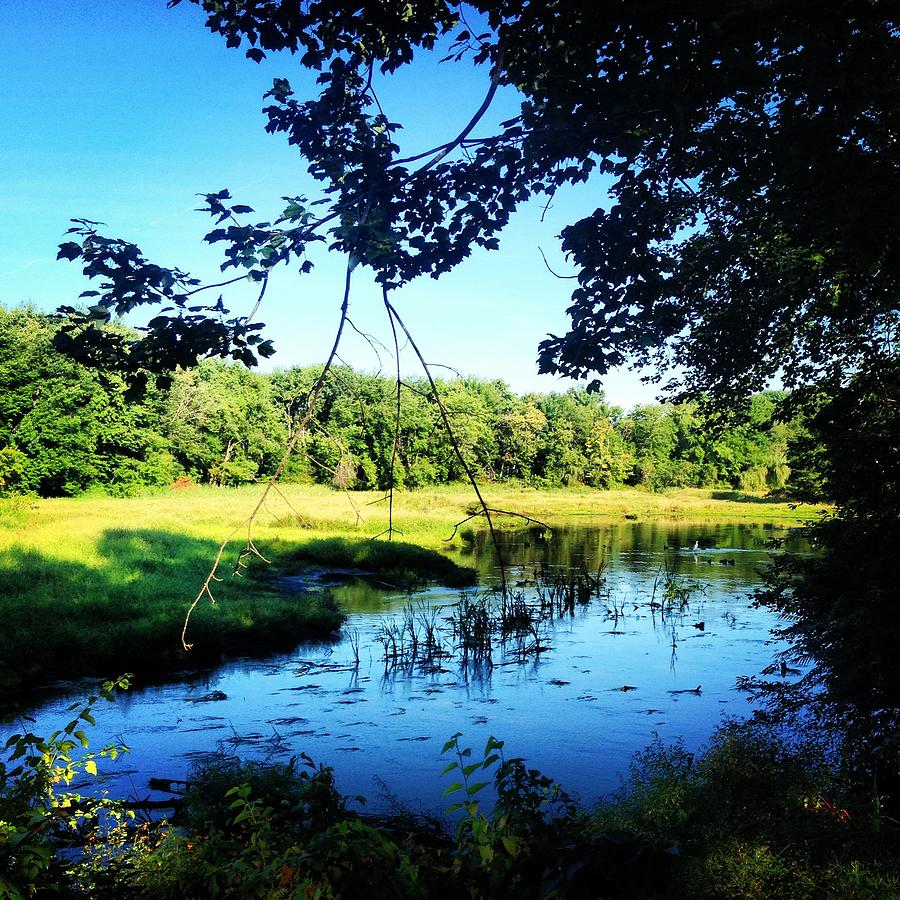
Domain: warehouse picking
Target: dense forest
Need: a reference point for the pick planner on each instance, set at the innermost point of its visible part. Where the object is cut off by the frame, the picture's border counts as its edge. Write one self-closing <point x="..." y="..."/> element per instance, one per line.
<point x="66" y="429"/>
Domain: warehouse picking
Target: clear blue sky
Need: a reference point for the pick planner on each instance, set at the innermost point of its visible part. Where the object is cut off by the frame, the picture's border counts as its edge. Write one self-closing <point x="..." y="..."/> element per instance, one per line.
<point x="123" y="112"/>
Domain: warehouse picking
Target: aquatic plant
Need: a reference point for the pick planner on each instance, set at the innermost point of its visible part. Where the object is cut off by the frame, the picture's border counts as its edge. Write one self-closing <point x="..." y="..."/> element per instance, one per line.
<point x="561" y="588"/>
<point x="675" y="591"/>
<point x="473" y="625"/>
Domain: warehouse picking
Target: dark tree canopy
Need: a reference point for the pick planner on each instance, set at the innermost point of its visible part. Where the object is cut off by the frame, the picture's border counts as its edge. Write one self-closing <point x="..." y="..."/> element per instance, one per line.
<point x="752" y="148"/>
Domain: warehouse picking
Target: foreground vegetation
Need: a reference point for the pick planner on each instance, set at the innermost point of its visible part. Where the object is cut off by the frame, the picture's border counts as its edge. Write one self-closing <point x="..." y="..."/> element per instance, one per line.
<point x="753" y="815"/>
<point x="93" y="583"/>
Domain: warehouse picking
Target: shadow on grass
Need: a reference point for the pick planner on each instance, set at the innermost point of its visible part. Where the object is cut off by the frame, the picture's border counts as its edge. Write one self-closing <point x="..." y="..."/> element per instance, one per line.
<point x="741" y="497"/>
<point x="392" y="561"/>
<point x="64" y="618"/>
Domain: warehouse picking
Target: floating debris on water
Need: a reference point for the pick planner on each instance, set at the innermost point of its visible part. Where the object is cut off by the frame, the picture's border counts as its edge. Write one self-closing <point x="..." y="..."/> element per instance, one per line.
<point x="211" y="697"/>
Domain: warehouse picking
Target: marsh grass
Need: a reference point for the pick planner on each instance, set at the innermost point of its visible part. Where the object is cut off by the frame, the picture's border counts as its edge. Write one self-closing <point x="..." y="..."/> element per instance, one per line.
<point x="482" y="624"/>
<point x="95" y="584"/>
<point x="561" y="589"/>
<point x="399" y="565"/>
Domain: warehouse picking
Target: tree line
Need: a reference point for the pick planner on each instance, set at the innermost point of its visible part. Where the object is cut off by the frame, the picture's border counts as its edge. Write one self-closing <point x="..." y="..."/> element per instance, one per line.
<point x="66" y="428"/>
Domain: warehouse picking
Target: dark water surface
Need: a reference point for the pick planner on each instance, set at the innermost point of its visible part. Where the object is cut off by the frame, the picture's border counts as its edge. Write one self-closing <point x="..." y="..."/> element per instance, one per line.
<point x="565" y="710"/>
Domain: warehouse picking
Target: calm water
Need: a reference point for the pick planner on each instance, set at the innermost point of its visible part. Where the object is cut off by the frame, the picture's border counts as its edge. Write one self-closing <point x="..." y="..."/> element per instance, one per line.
<point x="565" y="710"/>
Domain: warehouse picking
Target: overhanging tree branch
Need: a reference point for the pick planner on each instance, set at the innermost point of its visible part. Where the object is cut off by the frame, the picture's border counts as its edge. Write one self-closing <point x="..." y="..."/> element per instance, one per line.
<point x="250" y="549"/>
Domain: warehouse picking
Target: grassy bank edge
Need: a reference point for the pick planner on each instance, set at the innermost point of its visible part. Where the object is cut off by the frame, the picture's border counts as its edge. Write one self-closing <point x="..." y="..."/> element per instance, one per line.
<point x="95" y="585"/>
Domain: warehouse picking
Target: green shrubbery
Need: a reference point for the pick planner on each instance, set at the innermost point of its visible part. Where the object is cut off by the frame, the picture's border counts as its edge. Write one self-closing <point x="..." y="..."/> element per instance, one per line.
<point x="397" y="563"/>
<point x="41" y="817"/>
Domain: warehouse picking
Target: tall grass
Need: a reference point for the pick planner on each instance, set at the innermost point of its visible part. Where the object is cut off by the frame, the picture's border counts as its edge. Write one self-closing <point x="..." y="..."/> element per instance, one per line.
<point x="93" y="583"/>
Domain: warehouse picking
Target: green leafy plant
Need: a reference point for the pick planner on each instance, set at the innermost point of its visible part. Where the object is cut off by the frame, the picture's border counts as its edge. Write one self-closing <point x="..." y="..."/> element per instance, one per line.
<point x="522" y="843"/>
<point x="38" y="811"/>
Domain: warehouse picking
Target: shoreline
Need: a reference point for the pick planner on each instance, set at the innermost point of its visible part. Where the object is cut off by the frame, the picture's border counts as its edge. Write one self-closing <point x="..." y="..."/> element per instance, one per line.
<point x="94" y="584"/>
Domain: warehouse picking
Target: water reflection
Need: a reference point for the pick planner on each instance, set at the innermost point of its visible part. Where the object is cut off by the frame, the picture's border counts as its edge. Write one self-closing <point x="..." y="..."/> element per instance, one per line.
<point x="639" y="659"/>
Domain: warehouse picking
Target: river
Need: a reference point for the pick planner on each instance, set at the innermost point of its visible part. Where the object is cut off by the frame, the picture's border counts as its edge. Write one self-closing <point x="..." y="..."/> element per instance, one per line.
<point x="655" y="651"/>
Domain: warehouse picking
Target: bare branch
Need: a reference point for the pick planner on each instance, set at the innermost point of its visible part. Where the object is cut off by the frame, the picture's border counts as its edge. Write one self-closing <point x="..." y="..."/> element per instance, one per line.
<point x="259" y="299"/>
<point x="555" y="274"/>
<point x="435" y="365"/>
<point x="479" y="113"/>
<point x="371" y="340"/>
<point x="205" y="589"/>
<point x="446" y="419"/>
<point x="498" y="512"/>
<point x="209" y="287"/>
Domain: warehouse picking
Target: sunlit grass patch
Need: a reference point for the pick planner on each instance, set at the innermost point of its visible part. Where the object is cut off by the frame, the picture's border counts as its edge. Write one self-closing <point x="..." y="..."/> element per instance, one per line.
<point x="88" y="581"/>
<point x="379" y="557"/>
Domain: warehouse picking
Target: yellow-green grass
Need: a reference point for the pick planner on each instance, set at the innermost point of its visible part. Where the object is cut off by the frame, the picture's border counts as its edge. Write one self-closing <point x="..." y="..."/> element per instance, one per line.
<point x="93" y="585"/>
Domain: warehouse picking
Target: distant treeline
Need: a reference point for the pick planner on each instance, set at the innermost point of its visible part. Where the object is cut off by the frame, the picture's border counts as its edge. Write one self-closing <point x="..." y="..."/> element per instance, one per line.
<point x="66" y="429"/>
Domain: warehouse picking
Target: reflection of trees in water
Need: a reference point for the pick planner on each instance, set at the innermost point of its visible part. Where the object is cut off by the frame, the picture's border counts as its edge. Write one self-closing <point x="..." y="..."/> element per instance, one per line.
<point x="638" y="547"/>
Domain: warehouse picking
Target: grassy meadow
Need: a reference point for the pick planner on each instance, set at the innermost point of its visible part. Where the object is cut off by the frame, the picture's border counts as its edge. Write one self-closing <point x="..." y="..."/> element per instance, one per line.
<point x="94" y="585"/>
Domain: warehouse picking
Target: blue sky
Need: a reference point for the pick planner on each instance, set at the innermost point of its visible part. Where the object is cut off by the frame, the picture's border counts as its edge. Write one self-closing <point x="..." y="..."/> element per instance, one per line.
<point x="123" y="112"/>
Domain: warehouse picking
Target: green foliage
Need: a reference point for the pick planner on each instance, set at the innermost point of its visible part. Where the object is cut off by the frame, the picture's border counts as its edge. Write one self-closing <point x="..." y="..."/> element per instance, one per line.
<point x="12" y="466"/>
<point x="38" y="812"/>
<point x="749" y="781"/>
<point x="729" y="145"/>
<point x="258" y="830"/>
<point x="221" y="424"/>
<point x="839" y="603"/>
<point x="758" y="813"/>
<point x="383" y="558"/>
<point x="207" y="805"/>
<point x="64" y="429"/>
<point x="523" y="845"/>
<point x="747" y="817"/>
<point x="73" y="429"/>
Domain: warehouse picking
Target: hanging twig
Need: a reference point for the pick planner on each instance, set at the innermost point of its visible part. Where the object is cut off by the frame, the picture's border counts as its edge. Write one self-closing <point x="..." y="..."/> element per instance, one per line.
<point x="209" y="287"/>
<point x="371" y="340"/>
<point x="259" y="300"/>
<point x="250" y="549"/>
<point x="455" y="371"/>
<point x="555" y="274"/>
<point x="390" y="528"/>
<point x="392" y="312"/>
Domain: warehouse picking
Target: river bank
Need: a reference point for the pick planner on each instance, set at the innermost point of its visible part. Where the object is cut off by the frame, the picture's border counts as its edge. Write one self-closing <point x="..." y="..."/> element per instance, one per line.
<point x="95" y="585"/>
